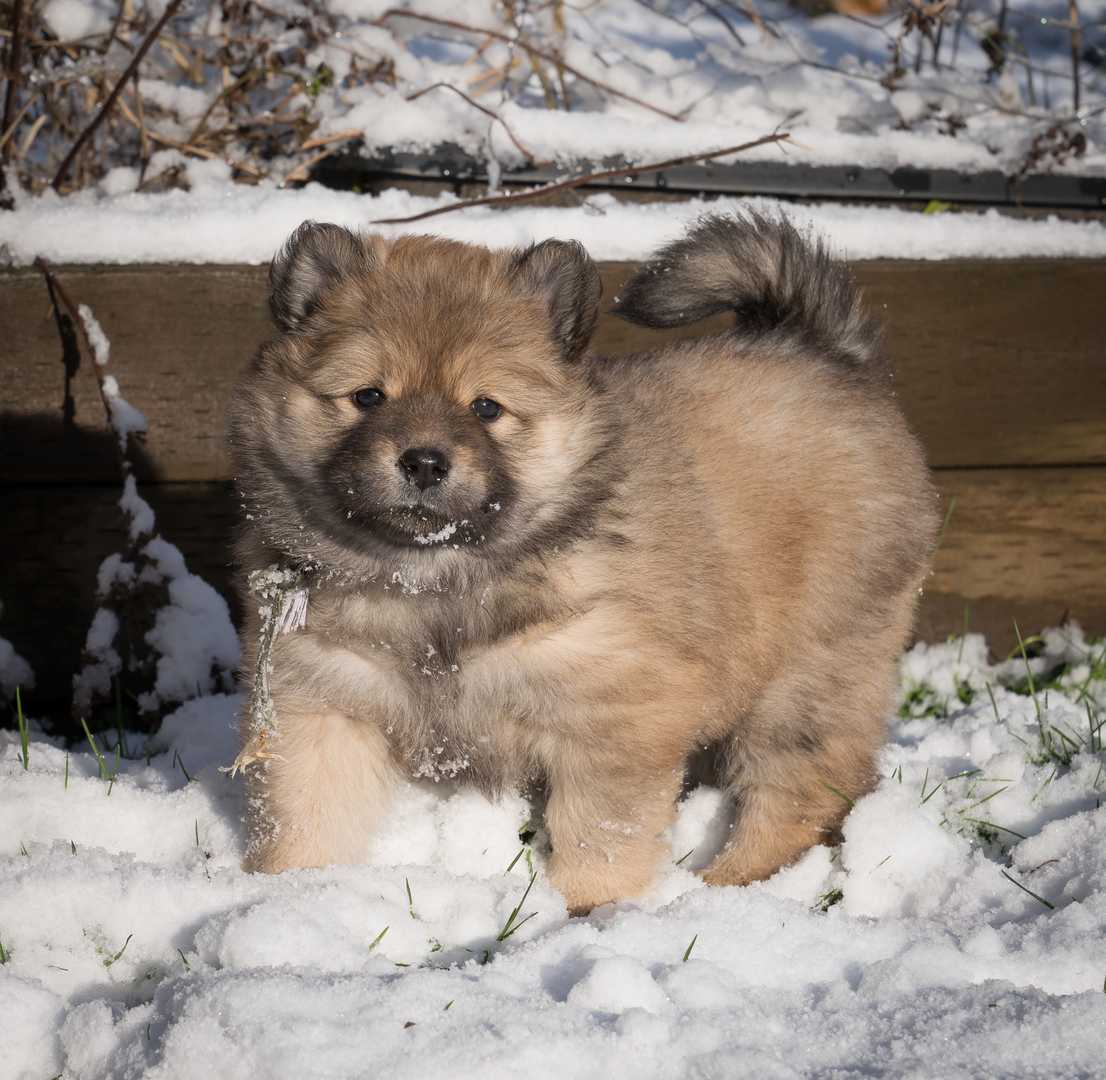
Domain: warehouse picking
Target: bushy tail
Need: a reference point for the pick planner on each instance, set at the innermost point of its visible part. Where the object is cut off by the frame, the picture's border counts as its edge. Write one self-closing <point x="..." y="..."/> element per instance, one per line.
<point x="778" y="283"/>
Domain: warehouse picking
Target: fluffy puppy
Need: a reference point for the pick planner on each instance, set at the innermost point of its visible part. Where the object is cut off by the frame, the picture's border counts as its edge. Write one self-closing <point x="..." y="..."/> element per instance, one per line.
<point x="525" y="563"/>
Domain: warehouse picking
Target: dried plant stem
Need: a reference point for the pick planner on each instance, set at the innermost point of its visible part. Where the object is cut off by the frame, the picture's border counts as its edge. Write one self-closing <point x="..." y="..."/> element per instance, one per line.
<point x="120" y="11"/>
<point x="301" y="170"/>
<point x="57" y="289"/>
<point x="487" y="112"/>
<point x="230" y="89"/>
<point x="10" y="130"/>
<point x="724" y="21"/>
<point x="1073" y="18"/>
<point x="199" y="151"/>
<point x="14" y="60"/>
<point x="465" y="28"/>
<point x="85" y="135"/>
<point x="586" y="178"/>
<point x="353" y="133"/>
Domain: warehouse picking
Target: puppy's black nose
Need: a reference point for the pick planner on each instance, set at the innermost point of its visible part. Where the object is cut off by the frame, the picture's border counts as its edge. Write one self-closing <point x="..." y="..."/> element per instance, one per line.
<point x="424" y="467"/>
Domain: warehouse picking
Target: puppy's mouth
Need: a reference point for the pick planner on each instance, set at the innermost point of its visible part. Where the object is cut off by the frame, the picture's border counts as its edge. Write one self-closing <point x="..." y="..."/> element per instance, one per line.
<point x="416" y="525"/>
<point x="413" y="526"/>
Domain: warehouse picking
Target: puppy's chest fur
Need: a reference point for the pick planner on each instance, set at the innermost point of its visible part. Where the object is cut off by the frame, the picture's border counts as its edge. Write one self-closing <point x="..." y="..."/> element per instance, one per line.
<point x="460" y="681"/>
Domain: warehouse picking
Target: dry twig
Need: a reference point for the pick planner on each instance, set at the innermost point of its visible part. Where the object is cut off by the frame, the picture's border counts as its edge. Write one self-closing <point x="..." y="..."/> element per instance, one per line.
<point x="465" y="28"/>
<point x="85" y="135"/>
<point x="586" y="178"/>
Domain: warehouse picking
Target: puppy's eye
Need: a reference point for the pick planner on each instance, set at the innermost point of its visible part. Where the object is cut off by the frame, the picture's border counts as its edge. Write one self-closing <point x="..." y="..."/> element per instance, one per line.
<point x="368" y="397"/>
<point x="486" y="409"/>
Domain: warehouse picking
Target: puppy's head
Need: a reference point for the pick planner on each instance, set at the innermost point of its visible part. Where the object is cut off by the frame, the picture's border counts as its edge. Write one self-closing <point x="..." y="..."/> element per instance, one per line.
<point x="424" y="399"/>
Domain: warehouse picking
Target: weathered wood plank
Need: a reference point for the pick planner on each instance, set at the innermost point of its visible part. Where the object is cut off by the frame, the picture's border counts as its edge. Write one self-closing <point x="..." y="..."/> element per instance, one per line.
<point x="180" y="337"/>
<point x="996" y="364"/>
<point x="1021" y="543"/>
<point x="1036" y="534"/>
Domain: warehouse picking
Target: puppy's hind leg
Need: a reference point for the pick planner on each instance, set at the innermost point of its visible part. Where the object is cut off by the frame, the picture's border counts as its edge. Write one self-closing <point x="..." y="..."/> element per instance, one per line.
<point x="794" y="767"/>
<point x="318" y="798"/>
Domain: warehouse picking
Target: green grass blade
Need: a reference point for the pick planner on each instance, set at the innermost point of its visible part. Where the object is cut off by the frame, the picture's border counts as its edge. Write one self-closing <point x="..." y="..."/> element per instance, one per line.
<point x="992" y="825"/>
<point x="963" y="636"/>
<point x="108" y="963"/>
<point x="837" y="793"/>
<point x="1051" y="907"/>
<point x="945" y="524"/>
<point x="690" y="947"/>
<point x="1028" y="673"/>
<point x="509" y="926"/>
<point x="22" y="728"/>
<point x="95" y="750"/>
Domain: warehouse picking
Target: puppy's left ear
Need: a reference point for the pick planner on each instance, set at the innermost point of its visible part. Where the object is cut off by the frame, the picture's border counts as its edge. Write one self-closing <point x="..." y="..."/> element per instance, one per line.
<point x="562" y="274"/>
<point x="314" y="258"/>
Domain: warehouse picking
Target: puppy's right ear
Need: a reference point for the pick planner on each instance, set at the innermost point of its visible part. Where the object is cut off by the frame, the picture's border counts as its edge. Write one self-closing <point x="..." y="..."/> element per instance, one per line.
<point x="562" y="274"/>
<point x="312" y="259"/>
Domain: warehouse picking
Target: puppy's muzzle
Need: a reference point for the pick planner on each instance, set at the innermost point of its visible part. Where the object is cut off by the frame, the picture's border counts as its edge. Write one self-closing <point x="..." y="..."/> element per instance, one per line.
<point x="423" y="467"/>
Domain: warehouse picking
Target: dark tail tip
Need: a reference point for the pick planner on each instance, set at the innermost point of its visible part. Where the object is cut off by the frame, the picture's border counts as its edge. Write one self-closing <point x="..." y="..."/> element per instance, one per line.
<point x="777" y="282"/>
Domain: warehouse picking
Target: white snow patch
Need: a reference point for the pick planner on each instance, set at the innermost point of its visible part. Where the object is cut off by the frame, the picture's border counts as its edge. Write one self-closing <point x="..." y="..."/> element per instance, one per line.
<point x="929" y="958"/>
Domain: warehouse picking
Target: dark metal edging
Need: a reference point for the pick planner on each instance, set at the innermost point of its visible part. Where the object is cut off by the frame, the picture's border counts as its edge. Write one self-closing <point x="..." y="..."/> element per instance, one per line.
<point x="907" y="184"/>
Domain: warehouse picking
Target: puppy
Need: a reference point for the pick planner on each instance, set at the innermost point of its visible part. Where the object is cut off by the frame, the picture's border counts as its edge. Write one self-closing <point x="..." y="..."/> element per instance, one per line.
<point x="512" y="561"/>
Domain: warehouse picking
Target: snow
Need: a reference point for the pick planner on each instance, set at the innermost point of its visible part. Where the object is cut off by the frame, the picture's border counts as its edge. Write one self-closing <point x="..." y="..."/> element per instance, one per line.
<point x="14" y="670"/>
<point x="136" y="947"/>
<point x="221" y="222"/>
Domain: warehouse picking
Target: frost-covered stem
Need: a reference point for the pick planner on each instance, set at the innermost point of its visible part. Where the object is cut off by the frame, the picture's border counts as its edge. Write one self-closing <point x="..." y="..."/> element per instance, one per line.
<point x="587" y="178"/>
<point x="88" y="132"/>
<point x="55" y="284"/>
<point x="1073" y="18"/>
<point x="499" y="36"/>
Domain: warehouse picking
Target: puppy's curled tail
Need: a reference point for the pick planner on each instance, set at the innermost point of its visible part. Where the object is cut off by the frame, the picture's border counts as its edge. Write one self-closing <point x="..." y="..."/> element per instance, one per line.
<point x="778" y="284"/>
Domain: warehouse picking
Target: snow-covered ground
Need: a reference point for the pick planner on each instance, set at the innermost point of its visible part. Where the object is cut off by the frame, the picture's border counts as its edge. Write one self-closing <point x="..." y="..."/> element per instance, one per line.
<point x="957" y="932"/>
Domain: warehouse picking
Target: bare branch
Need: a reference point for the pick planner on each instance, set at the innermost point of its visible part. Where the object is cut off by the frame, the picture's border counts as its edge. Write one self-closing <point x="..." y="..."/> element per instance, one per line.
<point x="585" y="178"/>
<point x="85" y="135"/>
<point x="14" y="60"/>
<point x="464" y="27"/>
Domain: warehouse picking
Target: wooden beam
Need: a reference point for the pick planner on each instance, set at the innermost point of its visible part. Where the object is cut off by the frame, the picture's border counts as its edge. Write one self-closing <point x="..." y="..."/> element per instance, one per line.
<point x="996" y="363"/>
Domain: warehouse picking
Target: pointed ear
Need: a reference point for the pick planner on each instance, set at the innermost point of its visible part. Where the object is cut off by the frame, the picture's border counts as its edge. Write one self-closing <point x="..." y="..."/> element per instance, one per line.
<point x="564" y="277"/>
<point x="312" y="259"/>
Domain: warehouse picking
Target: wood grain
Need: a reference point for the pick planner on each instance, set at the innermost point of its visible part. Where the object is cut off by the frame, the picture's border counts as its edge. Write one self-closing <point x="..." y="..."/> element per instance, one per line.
<point x="996" y="363"/>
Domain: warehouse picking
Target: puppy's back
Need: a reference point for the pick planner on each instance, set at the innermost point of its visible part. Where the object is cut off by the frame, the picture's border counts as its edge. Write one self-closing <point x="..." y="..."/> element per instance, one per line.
<point x="779" y="446"/>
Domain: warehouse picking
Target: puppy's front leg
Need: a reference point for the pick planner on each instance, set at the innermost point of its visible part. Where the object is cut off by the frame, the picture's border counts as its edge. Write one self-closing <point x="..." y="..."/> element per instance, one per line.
<point x="605" y="817"/>
<point x="317" y="799"/>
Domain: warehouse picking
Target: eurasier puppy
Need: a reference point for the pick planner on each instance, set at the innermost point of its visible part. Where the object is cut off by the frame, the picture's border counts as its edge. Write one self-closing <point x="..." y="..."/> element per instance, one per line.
<point x="488" y="553"/>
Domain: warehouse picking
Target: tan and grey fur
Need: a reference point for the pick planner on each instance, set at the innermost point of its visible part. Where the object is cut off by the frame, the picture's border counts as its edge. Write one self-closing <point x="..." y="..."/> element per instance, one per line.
<point x="717" y="544"/>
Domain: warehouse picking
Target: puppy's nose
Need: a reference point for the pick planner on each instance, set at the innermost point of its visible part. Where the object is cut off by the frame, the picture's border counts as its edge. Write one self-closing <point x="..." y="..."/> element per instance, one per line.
<point x="424" y="467"/>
